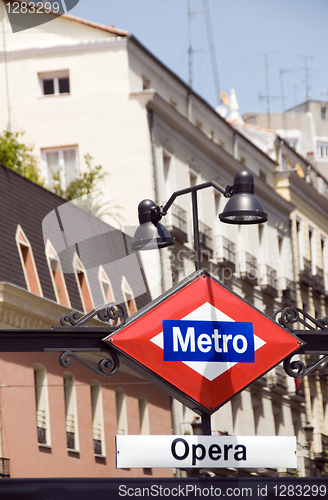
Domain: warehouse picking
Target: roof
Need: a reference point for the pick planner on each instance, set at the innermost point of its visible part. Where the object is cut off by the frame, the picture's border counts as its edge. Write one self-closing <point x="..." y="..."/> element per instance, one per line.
<point x="33" y="207"/>
<point x="104" y="27"/>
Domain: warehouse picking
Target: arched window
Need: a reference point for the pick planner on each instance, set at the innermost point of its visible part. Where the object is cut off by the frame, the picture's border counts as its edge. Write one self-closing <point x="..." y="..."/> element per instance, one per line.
<point x="57" y="276"/>
<point x="70" y="411"/>
<point x="106" y="286"/>
<point x="28" y="262"/>
<point x="97" y="418"/>
<point x="41" y="403"/>
<point x="83" y="284"/>
<point x="129" y="300"/>
<point x="121" y="413"/>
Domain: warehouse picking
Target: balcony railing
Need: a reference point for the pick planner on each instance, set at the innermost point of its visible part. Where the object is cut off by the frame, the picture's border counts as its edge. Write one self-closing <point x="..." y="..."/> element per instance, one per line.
<point x="279" y="379"/>
<point x="4" y="468"/>
<point x="206" y="238"/>
<point x="70" y="432"/>
<point x="226" y="253"/>
<point x="250" y="271"/>
<point x="97" y="444"/>
<point x="289" y="293"/>
<point x="178" y="227"/>
<point x="318" y="285"/>
<point x="269" y="281"/>
<point x="41" y="426"/>
<point x="306" y="277"/>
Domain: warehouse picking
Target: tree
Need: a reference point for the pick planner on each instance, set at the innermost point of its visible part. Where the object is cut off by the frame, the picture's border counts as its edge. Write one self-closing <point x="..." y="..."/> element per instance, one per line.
<point x="18" y="156"/>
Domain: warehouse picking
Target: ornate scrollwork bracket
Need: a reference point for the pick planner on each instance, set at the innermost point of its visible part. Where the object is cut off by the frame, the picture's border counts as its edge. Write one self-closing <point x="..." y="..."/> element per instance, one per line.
<point x="111" y="313"/>
<point x="106" y="367"/>
<point x="302" y="370"/>
<point x="291" y="317"/>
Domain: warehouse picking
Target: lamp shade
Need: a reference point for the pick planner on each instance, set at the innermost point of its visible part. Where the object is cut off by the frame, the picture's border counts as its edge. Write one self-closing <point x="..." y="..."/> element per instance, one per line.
<point x="151" y="234"/>
<point x="243" y="207"/>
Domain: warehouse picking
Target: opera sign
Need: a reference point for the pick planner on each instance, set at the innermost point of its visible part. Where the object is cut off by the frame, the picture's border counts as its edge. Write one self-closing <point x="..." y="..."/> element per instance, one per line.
<point x="205" y="451"/>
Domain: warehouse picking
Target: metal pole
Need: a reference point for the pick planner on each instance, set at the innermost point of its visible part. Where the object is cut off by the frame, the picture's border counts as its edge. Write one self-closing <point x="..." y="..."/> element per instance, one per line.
<point x="206" y="424"/>
<point x="196" y="230"/>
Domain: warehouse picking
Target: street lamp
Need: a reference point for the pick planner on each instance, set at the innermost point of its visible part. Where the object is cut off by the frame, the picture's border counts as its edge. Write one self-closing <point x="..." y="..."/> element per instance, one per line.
<point x="242" y="208"/>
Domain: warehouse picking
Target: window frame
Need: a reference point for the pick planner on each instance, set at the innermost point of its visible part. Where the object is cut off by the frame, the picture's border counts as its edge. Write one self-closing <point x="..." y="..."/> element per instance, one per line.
<point x="55" y="76"/>
<point x="79" y="268"/>
<point x="61" y="163"/>
<point x="51" y="255"/>
<point x="30" y="271"/>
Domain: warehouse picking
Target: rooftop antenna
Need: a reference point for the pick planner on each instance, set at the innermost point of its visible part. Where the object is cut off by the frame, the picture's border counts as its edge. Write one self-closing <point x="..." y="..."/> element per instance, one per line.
<point x="190" y="48"/>
<point x="306" y="69"/>
<point x="212" y="47"/>
<point x="282" y="72"/>
<point x="268" y="97"/>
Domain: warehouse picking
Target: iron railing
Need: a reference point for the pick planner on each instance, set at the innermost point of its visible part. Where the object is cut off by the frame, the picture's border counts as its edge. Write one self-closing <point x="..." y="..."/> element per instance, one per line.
<point x="4" y="468"/>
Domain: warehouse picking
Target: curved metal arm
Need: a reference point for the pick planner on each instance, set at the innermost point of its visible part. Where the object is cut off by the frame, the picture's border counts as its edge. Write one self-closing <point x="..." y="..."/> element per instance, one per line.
<point x="227" y="192"/>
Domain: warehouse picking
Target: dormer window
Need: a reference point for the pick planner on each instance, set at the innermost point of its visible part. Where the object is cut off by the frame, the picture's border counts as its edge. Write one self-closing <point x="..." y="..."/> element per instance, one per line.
<point x="57" y="275"/>
<point x="83" y="284"/>
<point x="28" y="262"/>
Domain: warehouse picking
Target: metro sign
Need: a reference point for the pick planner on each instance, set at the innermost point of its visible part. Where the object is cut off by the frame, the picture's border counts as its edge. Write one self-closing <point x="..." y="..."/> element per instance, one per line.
<point x="202" y="343"/>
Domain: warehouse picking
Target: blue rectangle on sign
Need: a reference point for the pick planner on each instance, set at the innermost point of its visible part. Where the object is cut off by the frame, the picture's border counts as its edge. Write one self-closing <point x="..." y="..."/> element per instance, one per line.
<point x="218" y="341"/>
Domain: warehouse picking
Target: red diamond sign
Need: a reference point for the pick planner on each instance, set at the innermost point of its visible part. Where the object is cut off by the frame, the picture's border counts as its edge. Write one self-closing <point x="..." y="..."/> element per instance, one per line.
<point x="202" y="343"/>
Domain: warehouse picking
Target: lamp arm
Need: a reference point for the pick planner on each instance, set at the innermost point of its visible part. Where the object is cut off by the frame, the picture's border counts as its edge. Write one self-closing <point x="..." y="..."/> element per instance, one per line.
<point x="227" y="192"/>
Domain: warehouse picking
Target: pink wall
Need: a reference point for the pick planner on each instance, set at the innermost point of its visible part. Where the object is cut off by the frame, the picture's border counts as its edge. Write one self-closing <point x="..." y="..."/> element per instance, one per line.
<point x="18" y="413"/>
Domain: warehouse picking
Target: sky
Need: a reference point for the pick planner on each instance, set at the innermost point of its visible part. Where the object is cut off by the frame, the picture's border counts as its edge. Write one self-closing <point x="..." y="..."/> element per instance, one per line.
<point x="261" y="47"/>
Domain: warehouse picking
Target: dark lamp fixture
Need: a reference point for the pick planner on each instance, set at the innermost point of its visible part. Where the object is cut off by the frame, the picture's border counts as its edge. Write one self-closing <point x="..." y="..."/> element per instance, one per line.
<point x="243" y="206"/>
<point x="308" y="429"/>
<point x="151" y="234"/>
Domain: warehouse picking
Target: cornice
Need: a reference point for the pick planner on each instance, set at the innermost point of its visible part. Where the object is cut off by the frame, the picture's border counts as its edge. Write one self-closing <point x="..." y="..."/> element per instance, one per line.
<point x="84" y="46"/>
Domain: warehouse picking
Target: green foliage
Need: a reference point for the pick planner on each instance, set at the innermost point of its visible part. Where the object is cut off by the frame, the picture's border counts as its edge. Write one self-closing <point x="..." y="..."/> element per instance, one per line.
<point x="83" y="185"/>
<point x="18" y="156"/>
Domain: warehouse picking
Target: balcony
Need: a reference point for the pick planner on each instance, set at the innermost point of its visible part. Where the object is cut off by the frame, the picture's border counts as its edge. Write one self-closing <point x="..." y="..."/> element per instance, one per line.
<point x="249" y="266"/>
<point x="289" y="293"/>
<point x="178" y="227"/>
<point x="318" y="281"/>
<point x="269" y="281"/>
<point x="306" y="277"/>
<point x="279" y="380"/>
<point x="226" y="253"/>
<point x="206" y="239"/>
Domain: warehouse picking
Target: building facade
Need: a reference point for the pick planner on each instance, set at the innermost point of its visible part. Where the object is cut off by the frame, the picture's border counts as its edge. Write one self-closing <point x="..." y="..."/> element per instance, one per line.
<point x="107" y="95"/>
<point x="61" y="421"/>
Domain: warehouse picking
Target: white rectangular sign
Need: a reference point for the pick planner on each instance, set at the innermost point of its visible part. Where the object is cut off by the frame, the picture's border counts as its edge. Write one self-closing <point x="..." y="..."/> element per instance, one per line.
<point x="205" y="451"/>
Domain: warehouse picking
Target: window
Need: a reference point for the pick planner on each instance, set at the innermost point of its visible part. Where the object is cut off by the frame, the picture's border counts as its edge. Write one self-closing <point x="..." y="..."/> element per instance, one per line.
<point x="83" y="284"/>
<point x="28" y="262"/>
<point x="62" y="162"/>
<point x="263" y="175"/>
<point x="121" y="414"/>
<point x="322" y="149"/>
<point x="70" y="412"/>
<point x="97" y="418"/>
<point x="143" y="414"/>
<point x="146" y="85"/>
<point x="55" y="83"/>
<point x="41" y="403"/>
<point x="106" y="286"/>
<point x="129" y="300"/>
<point x="323" y="112"/>
<point x="57" y="275"/>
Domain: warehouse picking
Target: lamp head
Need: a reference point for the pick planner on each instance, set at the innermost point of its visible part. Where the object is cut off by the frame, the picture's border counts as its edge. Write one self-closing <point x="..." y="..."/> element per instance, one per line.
<point x="151" y="234"/>
<point x="243" y="207"/>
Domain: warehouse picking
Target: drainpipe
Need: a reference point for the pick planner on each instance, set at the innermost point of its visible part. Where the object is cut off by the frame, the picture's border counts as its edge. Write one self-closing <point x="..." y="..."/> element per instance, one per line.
<point x="151" y="120"/>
